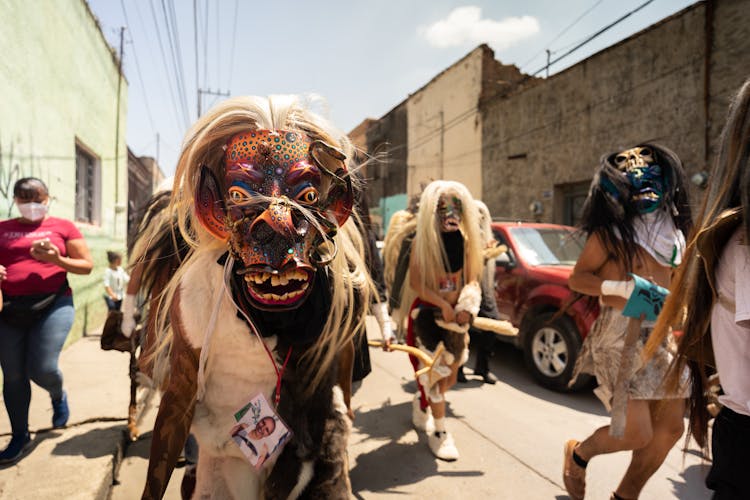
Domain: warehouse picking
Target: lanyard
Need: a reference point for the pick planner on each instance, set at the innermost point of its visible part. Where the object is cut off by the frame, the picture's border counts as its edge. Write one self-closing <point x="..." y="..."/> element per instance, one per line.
<point x="279" y="373"/>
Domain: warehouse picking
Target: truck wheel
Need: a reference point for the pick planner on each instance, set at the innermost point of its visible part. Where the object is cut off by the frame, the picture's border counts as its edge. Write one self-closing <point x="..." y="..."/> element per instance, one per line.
<point x="550" y="350"/>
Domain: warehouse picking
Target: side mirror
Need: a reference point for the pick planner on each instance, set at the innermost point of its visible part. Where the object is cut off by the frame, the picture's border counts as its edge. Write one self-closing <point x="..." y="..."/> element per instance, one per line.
<point x="505" y="261"/>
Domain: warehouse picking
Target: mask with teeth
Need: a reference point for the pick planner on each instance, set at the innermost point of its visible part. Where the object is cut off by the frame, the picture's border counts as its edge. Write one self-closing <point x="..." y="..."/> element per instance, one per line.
<point x="278" y="206"/>
<point x="449" y="212"/>
<point x="645" y="177"/>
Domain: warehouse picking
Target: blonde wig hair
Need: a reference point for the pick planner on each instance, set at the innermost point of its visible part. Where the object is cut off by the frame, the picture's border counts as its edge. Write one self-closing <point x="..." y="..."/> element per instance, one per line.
<point x="428" y="245"/>
<point x="485" y="227"/>
<point x="402" y="223"/>
<point x="204" y="145"/>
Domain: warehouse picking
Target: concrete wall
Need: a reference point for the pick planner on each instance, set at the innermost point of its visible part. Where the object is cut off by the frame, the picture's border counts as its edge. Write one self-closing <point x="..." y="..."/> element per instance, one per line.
<point x="386" y="173"/>
<point x="544" y="142"/>
<point x="729" y="60"/>
<point x="444" y="132"/>
<point x="58" y="81"/>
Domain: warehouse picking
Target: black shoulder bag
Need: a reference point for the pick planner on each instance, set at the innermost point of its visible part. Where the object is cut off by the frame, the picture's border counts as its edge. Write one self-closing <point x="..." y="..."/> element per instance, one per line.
<point x="22" y="311"/>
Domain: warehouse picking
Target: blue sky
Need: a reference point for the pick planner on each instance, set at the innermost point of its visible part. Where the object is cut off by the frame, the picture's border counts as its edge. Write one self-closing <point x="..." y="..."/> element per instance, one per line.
<point x="363" y="57"/>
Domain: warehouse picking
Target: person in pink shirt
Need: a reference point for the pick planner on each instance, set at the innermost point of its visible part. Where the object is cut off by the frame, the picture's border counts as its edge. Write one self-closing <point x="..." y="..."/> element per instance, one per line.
<point x="36" y="253"/>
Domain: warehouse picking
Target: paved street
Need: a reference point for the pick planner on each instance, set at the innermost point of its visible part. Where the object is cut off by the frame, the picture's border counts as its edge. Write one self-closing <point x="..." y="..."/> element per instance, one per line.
<point x="510" y="437"/>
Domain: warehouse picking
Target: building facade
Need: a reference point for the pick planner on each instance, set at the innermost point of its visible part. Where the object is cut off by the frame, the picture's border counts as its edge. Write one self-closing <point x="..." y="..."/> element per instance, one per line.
<point x="62" y="119"/>
<point x="669" y="83"/>
<point x="444" y="123"/>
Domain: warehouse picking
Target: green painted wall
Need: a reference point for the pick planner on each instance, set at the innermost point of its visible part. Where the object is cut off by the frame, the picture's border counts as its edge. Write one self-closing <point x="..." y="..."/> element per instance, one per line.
<point x="58" y="88"/>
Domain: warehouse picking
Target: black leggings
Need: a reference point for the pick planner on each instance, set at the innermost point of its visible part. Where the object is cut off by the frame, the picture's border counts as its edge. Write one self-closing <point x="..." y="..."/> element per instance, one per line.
<point x="730" y="447"/>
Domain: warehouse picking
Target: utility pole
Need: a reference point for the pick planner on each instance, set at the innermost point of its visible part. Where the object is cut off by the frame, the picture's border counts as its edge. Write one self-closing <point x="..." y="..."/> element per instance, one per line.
<point x="117" y="131"/>
<point x="202" y="92"/>
<point x="157" y="148"/>
<point x="195" y="38"/>
<point x="549" y="53"/>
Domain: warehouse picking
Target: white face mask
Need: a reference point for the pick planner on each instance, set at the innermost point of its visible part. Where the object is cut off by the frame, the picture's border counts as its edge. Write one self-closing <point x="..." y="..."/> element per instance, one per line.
<point x="33" y="211"/>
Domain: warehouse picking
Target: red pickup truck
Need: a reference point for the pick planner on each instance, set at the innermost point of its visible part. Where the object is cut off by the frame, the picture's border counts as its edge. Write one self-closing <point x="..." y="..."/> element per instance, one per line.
<point x="531" y="287"/>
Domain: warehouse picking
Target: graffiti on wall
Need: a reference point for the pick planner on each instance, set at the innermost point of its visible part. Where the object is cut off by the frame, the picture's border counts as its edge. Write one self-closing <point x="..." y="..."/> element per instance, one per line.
<point x="12" y="168"/>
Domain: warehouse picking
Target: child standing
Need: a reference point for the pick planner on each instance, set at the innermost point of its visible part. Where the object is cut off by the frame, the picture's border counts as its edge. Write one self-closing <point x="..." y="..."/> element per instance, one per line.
<point x="115" y="279"/>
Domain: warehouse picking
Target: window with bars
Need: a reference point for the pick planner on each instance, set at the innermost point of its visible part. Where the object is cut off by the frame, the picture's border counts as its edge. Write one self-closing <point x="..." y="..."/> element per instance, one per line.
<point x="87" y="187"/>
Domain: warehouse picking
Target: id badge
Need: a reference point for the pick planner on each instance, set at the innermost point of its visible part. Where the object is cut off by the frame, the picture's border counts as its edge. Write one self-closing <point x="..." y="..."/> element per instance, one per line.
<point x="260" y="433"/>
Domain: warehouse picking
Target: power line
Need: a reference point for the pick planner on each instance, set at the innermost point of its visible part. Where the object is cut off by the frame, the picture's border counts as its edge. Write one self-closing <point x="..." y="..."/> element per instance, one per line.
<point x="166" y="66"/>
<point x="565" y="30"/>
<point x="218" y="45"/>
<point x="205" y="45"/>
<point x="454" y="121"/>
<point x="174" y="41"/>
<point x="573" y="114"/>
<point x="195" y="44"/>
<point x="234" y="43"/>
<point x="138" y="68"/>
<point x="587" y="40"/>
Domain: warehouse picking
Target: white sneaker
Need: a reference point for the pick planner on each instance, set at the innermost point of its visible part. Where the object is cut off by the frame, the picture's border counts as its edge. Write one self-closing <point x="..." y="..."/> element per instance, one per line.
<point x="443" y="446"/>
<point x="422" y="420"/>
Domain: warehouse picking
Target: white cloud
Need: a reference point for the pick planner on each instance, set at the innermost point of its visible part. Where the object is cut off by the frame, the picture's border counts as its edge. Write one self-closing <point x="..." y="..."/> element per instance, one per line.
<point x="465" y="25"/>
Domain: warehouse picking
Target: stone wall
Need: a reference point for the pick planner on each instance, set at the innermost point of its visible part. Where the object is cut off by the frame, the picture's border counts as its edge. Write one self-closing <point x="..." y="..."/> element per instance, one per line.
<point x="543" y="142"/>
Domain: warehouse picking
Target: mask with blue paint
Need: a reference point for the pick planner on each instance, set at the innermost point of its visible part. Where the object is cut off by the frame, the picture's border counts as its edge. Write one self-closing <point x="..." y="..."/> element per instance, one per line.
<point x="644" y="175"/>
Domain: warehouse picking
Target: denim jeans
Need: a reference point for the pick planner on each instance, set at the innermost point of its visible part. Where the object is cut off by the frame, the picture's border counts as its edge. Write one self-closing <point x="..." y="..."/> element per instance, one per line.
<point x="113" y="305"/>
<point x="32" y="354"/>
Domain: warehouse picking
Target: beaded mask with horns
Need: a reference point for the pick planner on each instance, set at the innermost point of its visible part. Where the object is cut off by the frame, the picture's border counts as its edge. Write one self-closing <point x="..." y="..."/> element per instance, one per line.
<point x="278" y="207"/>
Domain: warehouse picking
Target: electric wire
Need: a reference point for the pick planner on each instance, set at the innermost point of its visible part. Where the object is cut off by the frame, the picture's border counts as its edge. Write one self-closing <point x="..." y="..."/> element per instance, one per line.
<point x="166" y="67"/>
<point x="138" y="68"/>
<point x="195" y="46"/>
<point x="218" y="45"/>
<point x="173" y="30"/>
<point x="588" y="39"/>
<point x="565" y="30"/>
<point x="234" y="44"/>
<point x="205" y="46"/>
<point x="455" y="120"/>
<point x="574" y="114"/>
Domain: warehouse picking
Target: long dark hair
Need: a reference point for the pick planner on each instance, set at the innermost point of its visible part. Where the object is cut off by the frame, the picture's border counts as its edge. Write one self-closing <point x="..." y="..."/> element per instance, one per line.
<point x="608" y="213"/>
<point x="691" y="299"/>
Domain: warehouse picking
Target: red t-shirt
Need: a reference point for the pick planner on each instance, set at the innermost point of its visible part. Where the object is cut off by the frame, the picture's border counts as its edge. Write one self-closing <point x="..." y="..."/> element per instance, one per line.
<point x="26" y="275"/>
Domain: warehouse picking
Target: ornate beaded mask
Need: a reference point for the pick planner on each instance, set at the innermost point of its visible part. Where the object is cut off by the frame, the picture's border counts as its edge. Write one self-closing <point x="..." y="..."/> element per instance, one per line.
<point x="278" y="206"/>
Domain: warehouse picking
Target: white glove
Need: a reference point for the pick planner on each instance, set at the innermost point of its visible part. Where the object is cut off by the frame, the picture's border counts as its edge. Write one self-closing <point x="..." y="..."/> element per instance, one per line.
<point x="622" y="289"/>
<point x="380" y="311"/>
<point x="128" y="315"/>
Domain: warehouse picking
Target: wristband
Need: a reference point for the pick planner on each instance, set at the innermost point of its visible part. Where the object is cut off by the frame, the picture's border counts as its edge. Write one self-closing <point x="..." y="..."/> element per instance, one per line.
<point x="647" y="299"/>
<point x="622" y="289"/>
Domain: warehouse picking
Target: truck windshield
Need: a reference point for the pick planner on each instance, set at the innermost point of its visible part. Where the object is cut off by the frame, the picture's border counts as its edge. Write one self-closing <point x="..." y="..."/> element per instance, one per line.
<point x="547" y="246"/>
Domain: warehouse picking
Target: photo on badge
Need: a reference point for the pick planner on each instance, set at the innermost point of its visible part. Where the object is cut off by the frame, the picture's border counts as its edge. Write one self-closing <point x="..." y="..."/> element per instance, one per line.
<point x="260" y="433"/>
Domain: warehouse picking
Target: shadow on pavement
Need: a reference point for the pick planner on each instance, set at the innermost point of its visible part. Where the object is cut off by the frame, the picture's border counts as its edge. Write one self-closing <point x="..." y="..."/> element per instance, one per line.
<point x="693" y="485"/>
<point x="378" y="423"/>
<point x="35" y="441"/>
<point x="92" y="444"/>
<point x="384" y="468"/>
<point x="508" y="366"/>
<point x="141" y="448"/>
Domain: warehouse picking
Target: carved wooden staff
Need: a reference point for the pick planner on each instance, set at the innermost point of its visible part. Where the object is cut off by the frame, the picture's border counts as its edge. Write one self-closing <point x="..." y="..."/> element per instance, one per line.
<point x="620" y="391"/>
<point x="135" y="337"/>
<point x="426" y="360"/>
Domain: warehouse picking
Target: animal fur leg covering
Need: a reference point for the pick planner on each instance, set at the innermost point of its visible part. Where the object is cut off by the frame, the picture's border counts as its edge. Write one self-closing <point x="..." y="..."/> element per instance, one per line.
<point x="470" y="299"/>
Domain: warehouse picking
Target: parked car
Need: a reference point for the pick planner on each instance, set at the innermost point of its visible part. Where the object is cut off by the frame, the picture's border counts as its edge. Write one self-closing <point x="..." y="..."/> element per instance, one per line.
<point x="531" y="288"/>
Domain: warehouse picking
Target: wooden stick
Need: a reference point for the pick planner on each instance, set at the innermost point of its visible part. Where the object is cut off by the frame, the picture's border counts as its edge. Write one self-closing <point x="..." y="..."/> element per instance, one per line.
<point x="496" y="326"/>
<point x="427" y="360"/>
<point x="620" y="390"/>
